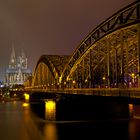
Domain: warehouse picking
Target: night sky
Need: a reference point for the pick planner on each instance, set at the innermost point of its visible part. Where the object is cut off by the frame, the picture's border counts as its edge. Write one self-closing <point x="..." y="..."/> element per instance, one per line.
<point x="49" y="26"/>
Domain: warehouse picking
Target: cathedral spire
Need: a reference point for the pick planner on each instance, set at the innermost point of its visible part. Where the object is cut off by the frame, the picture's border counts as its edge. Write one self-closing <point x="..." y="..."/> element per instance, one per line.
<point x="23" y="61"/>
<point x="13" y="52"/>
<point x="23" y="54"/>
<point x="12" y="63"/>
<point x="17" y="73"/>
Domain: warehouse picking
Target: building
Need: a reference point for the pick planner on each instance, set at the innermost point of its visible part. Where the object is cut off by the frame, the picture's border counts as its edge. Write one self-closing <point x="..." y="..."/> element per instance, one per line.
<point x="17" y="72"/>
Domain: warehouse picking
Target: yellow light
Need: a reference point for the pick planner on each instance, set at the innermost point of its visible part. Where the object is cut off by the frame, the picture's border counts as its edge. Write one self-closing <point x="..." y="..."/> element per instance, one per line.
<point x="86" y="80"/>
<point x="50" y="107"/>
<point x="25" y="104"/>
<point x="74" y="82"/>
<point x="103" y="78"/>
<point x="27" y="96"/>
<point x="133" y="75"/>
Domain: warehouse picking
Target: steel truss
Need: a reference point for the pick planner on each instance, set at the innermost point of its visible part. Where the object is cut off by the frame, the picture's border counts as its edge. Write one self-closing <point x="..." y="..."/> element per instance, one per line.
<point x="110" y="62"/>
<point x="47" y="71"/>
<point x="109" y="55"/>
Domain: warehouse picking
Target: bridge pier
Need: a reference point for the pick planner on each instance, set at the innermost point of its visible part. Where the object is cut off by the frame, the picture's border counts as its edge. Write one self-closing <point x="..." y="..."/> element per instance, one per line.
<point x="91" y="108"/>
<point x="80" y="107"/>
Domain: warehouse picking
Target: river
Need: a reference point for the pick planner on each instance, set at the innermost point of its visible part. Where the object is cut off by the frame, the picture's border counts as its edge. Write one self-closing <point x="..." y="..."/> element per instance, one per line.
<point x="18" y="122"/>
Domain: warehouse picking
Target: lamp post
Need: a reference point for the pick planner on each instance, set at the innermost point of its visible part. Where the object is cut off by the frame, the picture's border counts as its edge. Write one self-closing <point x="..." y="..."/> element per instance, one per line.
<point x="104" y="80"/>
<point x="133" y="79"/>
<point x="73" y="83"/>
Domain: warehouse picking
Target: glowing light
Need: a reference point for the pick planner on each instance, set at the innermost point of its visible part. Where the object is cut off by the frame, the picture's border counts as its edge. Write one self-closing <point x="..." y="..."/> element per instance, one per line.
<point x="27" y="96"/>
<point x="74" y="82"/>
<point x="25" y="104"/>
<point x="50" y="107"/>
<point x="133" y="75"/>
<point x="103" y="78"/>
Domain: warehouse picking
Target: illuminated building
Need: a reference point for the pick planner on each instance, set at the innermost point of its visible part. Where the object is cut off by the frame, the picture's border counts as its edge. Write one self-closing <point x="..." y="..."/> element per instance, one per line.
<point x="17" y="72"/>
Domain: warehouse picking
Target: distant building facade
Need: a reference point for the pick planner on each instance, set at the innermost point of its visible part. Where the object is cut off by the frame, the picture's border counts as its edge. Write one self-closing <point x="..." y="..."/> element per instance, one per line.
<point x="17" y="71"/>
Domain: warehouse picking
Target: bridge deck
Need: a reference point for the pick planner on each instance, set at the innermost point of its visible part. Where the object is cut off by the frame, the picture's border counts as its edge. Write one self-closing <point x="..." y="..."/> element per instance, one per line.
<point x="131" y="92"/>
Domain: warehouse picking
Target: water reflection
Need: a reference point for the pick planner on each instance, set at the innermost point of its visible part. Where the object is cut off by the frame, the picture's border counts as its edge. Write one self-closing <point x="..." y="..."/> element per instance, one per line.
<point x="25" y="105"/>
<point x="18" y="122"/>
<point x="38" y="128"/>
<point x="12" y="121"/>
<point x="50" y="131"/>
<point x="131" y="110"/>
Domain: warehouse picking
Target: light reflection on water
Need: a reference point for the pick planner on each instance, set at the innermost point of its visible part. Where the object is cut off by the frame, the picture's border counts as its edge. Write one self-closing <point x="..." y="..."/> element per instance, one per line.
<point x="50" y="132"/>
<point x="47" y="131"/>
<point x="17" y="122"/>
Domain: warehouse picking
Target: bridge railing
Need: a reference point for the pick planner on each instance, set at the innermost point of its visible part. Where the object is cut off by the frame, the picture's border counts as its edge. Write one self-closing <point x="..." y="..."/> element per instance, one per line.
<point x="128" y="92"/>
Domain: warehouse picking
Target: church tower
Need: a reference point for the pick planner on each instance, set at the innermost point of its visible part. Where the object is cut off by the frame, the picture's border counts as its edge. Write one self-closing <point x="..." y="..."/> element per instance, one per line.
<point x="17" y="72"/>
<point x="12" y="63"/>
<point x="23" y="60"/>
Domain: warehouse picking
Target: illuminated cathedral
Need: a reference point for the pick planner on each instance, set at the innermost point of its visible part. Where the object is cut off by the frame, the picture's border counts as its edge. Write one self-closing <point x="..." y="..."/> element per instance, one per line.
<point x="17" y="72"/>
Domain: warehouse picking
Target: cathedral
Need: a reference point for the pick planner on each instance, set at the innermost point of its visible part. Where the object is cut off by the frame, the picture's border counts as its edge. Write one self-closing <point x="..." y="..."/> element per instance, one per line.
<point x="17" y="72"/>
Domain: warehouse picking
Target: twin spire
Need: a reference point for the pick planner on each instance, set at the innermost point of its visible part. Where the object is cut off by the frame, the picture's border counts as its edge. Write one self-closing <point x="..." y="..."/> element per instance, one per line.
<point x="17" y="73"/>
<point x="20" y="62"/>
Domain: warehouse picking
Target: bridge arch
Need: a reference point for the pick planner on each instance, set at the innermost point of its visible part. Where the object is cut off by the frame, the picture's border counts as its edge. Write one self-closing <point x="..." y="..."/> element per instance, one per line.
<point x="47" y="72"/>
<point x="109" y="55"/>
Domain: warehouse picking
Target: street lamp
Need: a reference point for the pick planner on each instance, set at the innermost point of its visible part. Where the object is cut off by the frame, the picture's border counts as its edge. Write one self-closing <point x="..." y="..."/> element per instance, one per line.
<point x="133" y="78"/>
<point x="103" y="78"/>
<point x="73" y="83"/>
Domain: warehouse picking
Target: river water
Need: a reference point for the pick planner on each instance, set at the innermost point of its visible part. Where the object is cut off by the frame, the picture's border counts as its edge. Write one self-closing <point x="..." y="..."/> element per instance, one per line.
<point x="17" y="122"/>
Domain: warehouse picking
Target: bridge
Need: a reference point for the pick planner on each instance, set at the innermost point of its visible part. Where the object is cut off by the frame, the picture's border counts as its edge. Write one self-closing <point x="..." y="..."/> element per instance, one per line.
<point x="105" y="63"/>
<point x="108" y="57"/>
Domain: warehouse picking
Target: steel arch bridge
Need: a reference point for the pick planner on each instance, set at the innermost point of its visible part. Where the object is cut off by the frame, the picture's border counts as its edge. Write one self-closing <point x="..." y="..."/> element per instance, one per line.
<point x="108" y="57"/>
<point x="48" y="70"/>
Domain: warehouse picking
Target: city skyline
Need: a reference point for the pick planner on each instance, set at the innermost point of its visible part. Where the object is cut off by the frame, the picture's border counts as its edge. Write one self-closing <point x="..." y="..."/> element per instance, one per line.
<point x="49" y="27"/>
